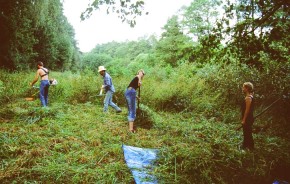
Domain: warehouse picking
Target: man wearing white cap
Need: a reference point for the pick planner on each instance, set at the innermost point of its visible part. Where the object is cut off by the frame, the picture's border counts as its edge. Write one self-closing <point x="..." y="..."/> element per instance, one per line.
<point x="109" y="88"/>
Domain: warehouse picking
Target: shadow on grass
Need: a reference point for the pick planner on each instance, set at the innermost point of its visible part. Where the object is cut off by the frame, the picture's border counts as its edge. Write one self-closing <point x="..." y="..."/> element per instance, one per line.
<point x="143" y="119"/>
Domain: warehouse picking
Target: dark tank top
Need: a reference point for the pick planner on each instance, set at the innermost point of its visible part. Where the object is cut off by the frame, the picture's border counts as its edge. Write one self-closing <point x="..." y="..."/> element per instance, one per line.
<point x="250" y="118"/>
<point x="134" y="83"/>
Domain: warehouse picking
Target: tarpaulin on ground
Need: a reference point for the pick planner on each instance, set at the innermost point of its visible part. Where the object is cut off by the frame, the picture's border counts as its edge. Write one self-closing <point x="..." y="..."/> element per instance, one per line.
<point x="140" y="161"/>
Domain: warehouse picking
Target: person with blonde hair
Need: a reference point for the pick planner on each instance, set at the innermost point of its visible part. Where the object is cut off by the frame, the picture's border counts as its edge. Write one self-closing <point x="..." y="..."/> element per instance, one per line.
<point x="248" y="115"/>
<point x="131" y="96"/>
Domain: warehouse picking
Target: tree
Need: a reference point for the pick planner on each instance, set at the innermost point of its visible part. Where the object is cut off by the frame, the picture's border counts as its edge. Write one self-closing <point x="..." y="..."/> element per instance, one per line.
<point x="35" y="30"/>
<point x="259" y="23"/>
<point x="56" y="44"/>
<point x="126" y="10"/>
<point x="199" y="17"/>
<point x="94" y="60"/>
<point x="173" y="46"/>
<point x="200" y="20"/>
<point x="128" y="50"/>
<point x="17" y="38"/>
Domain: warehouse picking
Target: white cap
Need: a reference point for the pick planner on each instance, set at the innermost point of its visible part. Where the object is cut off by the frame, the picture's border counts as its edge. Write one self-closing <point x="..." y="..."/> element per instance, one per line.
<point x="101" y="68"/>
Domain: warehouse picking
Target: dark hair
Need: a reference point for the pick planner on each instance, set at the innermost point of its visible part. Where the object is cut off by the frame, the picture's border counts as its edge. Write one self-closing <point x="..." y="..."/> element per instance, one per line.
<point x="39" y="63"/>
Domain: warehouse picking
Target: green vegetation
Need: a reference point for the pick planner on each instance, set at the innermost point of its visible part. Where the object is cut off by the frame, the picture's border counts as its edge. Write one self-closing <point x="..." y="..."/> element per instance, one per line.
<point x="72" y="141"/>
<point x="36" y="30"/>
<point x="190" y="104"/>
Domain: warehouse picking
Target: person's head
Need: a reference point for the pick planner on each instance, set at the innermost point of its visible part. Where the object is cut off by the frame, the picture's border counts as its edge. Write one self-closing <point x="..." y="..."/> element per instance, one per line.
<point x="141" y="73"/>
<point x="39" y="64"/>
<point x="248" y="87"/>
<point x="102" y="70"/>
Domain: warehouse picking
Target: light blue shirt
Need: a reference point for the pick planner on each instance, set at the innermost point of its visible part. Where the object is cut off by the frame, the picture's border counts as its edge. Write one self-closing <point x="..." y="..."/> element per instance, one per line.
<point x="108" y="83"/>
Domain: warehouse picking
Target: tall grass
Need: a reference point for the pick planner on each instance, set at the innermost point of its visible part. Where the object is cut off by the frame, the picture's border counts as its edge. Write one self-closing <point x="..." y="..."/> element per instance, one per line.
<point x="72" y="141"/>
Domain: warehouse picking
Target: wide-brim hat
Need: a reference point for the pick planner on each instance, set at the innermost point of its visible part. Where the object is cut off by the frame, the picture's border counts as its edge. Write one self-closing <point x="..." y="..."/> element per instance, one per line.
<point x="101" y="68"/>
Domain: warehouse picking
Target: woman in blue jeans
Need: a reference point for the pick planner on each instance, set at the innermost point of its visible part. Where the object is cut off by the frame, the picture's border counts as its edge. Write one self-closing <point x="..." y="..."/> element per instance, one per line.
<point x="44" y="83"/>
<point x="131" y="96"/>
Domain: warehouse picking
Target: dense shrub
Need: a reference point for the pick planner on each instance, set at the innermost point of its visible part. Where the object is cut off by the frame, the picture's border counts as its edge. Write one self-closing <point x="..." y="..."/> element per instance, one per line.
<point x="179" y="89"/>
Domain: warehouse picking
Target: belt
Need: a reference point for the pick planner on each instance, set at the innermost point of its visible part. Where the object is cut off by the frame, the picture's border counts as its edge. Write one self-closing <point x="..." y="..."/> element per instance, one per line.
<point x="130" y="88"/>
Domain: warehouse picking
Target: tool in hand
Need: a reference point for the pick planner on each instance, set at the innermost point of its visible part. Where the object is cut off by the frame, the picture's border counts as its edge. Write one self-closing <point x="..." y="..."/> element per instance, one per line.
<point x="101" y="92"/>
<point x="262" y="112"/>
<point x="139" y="98"/>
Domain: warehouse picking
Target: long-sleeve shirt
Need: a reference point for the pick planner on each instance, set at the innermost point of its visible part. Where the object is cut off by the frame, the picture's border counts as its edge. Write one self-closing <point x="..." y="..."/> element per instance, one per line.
<point x="108" y="84"/>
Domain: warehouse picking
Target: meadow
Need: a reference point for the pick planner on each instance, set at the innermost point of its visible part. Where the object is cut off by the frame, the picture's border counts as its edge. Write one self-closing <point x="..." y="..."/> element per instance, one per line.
<point x="186" y="115"/>
<point x="190" y="97"/>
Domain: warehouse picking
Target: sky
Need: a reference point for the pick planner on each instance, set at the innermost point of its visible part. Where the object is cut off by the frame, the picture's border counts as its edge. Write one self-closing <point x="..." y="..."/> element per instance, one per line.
<point x="102" y="28"/>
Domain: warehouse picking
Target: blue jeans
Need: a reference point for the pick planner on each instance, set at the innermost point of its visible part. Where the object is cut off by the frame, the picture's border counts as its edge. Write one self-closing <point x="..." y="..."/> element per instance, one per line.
<point x="44" y="85"/>
<point x="108" y="101"/>
<point x="130" y="95"/>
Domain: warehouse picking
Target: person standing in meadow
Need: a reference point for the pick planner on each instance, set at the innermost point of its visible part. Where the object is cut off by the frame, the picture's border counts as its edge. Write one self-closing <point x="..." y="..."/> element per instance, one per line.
<point x="44" y="83"/>
<point x="131" y="97"/>
<point x="247" y="116"/>
<point x="109" y="88"/>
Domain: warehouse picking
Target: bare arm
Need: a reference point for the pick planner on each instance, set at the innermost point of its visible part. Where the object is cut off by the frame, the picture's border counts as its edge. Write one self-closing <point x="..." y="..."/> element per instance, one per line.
<point x="35" y="78"/>
<point x="247" y="110"/>
<point x="139" y="80"/>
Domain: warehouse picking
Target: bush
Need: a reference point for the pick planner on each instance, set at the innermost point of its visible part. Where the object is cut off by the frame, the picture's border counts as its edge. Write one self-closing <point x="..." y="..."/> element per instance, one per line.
<point x="14" y="86"/>
<point x="181" y="89"/>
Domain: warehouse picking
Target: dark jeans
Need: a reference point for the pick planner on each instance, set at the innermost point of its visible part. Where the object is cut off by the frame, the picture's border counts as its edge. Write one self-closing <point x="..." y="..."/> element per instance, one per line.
<point x="248" y="137"/>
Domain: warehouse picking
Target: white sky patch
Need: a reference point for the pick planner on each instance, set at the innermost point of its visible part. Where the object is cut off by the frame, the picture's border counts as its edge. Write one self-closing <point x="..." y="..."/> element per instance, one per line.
<point x="102" y="28"/>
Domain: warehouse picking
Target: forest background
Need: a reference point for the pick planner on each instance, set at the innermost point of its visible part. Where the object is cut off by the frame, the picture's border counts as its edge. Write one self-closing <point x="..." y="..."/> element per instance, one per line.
<point x="190" y="96"/>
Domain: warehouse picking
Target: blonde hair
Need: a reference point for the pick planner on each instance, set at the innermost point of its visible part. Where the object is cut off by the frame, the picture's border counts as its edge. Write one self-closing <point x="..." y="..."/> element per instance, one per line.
<point x="141" y="70"/>
<point x="249" y="86"/>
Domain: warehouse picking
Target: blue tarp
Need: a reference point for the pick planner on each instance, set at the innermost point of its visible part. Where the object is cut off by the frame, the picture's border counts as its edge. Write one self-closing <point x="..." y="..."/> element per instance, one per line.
<point x="140" y="161"/>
